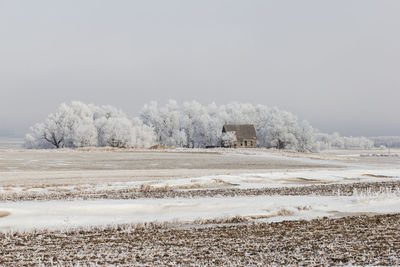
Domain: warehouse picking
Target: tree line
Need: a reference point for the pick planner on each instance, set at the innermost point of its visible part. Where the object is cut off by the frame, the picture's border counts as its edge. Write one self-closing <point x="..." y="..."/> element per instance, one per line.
<point x="190" y="125"/>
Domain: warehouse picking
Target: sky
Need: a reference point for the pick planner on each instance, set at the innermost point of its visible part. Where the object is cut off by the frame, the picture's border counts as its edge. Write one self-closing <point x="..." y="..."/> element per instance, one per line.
<point x="333" y="63"/>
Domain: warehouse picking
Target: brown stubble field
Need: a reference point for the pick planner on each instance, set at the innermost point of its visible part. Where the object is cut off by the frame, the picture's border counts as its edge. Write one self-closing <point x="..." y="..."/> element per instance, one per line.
<point x="358" y="240"/>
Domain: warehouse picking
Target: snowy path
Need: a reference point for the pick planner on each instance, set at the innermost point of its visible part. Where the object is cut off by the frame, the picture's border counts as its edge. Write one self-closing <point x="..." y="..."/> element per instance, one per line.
<point x="66" y="214"/>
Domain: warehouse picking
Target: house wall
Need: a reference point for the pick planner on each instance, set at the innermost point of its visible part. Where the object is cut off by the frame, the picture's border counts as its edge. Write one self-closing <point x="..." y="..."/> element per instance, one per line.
<point x="247" y="143"/>
<point x="243" y="143"/>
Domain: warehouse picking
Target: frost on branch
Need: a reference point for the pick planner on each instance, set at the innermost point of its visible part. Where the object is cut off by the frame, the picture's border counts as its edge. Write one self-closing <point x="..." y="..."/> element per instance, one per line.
<point x="196" y="125"/>
<point x="229" y="139"/>
<point x="190" y="124"/>
<point x="327" y="141"/>
<point x="81" y="125"/>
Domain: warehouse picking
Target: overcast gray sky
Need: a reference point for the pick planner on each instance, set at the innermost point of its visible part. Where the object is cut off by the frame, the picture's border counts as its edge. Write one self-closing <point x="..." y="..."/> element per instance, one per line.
<point x="334" y="63"/>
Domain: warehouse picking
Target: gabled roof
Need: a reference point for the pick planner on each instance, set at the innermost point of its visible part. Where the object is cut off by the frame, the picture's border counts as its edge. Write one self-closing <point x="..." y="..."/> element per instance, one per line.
<point x="243" y="131"/>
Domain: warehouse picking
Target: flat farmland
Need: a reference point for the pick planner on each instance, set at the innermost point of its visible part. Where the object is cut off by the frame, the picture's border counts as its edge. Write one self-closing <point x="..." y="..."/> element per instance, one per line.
<point x="24" y="167"/>
<point x="198" y="206"/>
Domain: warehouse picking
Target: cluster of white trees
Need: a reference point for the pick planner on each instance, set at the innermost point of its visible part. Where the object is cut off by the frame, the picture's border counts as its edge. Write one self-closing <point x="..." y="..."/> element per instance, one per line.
<point x="194" y="125"/>
<point x="81" y="125"/>
<point x="328" y="141"/>
<point x="190" y="124"/>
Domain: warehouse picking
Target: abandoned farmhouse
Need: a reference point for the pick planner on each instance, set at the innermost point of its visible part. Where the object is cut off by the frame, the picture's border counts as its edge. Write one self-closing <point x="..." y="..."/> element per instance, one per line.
<point x="245" y="134"/>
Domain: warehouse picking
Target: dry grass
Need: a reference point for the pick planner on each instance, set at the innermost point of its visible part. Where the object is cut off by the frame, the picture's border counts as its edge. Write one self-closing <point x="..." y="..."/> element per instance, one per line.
<point x="149" y="188"/>
<point x="301" y="180"/>
<point x="223" y="183"/>
<point x="149" y="191"/>
<point x="227" y="220"/>
<point x="377" y="176"/>
<point x="4" y="214"/>
<point x="159" y="147"/>
<point x="188" y="187"/>
<point x="361" y="240"/>
<point x="343" y="214"/>
<point x="280" y="212"/>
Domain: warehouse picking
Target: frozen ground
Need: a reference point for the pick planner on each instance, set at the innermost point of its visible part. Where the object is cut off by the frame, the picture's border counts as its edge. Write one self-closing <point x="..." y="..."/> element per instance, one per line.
<point x="239" y="181"/>
<point x="75" y="167"/>
<point x="66" y="214"/>
<point x="201" y="196"/>
<point x="52" y="174"/>
<point x="349" y="241"/>
<point x="25" y="168"/>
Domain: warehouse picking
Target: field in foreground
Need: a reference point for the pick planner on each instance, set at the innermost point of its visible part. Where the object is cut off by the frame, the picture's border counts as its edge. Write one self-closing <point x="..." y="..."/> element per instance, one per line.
<point x="363" y="240"/>
<point x="198" y="207"/>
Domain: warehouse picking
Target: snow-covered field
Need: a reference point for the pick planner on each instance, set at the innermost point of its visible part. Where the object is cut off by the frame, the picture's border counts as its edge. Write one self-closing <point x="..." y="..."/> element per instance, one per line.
<point x="101" y="205"/>
<point x="244" y="180"/>
<point x="26" y="172"/>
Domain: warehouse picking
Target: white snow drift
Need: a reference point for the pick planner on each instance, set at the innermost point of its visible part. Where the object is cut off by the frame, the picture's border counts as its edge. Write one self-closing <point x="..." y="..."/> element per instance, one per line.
<point x="67" y="214"/>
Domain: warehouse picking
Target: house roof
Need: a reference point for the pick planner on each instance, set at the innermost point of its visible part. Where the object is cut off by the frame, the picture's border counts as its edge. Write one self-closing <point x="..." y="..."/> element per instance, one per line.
<point x="243" y="131"/>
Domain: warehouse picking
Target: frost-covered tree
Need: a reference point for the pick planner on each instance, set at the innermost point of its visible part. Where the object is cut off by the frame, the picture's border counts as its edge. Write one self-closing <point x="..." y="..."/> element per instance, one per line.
<point x="80" y="125"/>
<point x="202" y="125"/>
<point x="142" y="135"/>
<point x="278" y="130"/>
<point x="306" y="138"/>
<point x="116" y="132"/>
<point x="188" y="125"/>
<point x="36" y="138"/>
<point x="229" y="139"/>
<point x="327" y="141"/>
<point x="85" y="135"/>
<point x="163" y="120"/>
<point x="63" y="128"/>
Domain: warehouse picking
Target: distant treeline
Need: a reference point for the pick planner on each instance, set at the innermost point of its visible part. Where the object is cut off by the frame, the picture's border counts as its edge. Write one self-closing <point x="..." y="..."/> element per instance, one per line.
<point x="387" y="141"/>
<point x="335" y="141"/>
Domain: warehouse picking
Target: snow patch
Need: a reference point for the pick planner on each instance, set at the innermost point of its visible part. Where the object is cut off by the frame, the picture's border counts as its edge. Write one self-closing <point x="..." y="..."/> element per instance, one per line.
<point x="66" y="214"/>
